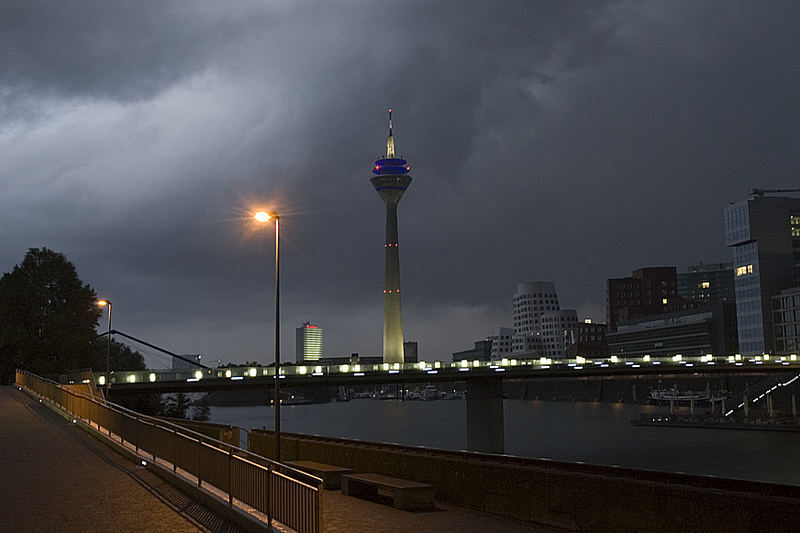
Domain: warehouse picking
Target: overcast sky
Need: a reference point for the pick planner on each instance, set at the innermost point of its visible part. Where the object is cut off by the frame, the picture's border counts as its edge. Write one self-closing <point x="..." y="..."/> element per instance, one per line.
<point x="561" y="141"/>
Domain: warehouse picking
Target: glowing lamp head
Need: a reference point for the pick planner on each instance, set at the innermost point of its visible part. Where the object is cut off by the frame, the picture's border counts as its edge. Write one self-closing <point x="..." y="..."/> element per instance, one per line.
<point x="262" y="216"/>
<point x="103" y="303"/>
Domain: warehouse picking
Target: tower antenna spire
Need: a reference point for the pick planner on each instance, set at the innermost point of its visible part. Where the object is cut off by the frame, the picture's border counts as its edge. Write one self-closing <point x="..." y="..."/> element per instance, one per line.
<point x="390" y="140"/>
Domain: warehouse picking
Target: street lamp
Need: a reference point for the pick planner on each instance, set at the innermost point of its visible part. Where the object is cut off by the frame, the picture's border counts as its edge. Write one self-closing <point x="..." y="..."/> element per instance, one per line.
<point x="107" y="384"/>
<point x="263" y="216"/>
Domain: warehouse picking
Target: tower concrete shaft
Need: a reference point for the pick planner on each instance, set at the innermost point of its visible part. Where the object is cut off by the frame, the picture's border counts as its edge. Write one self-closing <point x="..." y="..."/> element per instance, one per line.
<point x="391" y="181"/>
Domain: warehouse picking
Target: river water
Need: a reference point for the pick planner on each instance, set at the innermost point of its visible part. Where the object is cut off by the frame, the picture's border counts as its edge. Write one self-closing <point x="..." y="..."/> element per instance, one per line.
<point x="597" y="433"/>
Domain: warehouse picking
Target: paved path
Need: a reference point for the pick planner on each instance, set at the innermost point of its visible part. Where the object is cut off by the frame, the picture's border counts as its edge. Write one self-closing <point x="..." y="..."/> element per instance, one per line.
<point x="344" y="514"/>
<point x="56" y="478"/>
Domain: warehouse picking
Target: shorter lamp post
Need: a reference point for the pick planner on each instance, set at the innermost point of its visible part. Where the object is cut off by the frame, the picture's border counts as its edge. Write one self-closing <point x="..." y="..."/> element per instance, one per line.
<point x="107" y="384"/>
<point x="263" y="216"/>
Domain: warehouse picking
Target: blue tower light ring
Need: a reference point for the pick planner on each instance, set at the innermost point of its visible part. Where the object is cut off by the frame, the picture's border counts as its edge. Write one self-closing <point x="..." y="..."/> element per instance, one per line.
<point x="391" y="166"/>
<point x="391" y="162"/>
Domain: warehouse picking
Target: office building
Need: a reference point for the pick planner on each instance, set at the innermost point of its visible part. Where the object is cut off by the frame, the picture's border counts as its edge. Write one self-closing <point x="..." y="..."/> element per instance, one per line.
<point x="590" y="341"/>
<point x="786" y="321"/>
<point x="308" y="343"/>
<point x="708" y="283"/>
<point x="710" y="329"/>
<point x="649" y="291"/>
<point x="763" y="233"/>
<point x="481" y="352"/>
<point x="391" y="181"/>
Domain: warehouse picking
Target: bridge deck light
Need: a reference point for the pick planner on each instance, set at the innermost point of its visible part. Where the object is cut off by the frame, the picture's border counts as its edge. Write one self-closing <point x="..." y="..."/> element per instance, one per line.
<point x="793" y="357"/>
<point x="132" y="378"/>
<point x="737" y="357"/>
<point x="396" y="366"/>
<point x="646" y="358"/>
<point x="152" y="377"/>
<point x="228" y="373"/>
<point x="437" y="364"/>
<point x="476" y="363"/>
<point x="251" y="372"/>
<point x="344" y="368"/>
<point x="101" y="380"/>
<point x="580" y="360"/>
<point x="198" y="374"/>
<point x="614" y="359"/>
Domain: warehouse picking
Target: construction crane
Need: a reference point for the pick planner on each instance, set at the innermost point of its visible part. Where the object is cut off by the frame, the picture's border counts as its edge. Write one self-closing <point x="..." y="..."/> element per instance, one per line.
<point x="761" y="192"/>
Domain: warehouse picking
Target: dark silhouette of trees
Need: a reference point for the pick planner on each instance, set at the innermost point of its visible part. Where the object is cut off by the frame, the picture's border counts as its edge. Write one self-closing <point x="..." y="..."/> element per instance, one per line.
<point x="48" y="319"/>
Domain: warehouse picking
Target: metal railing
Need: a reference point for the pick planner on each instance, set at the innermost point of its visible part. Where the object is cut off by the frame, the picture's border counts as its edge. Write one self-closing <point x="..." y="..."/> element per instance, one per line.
<point x="279" y="492"/>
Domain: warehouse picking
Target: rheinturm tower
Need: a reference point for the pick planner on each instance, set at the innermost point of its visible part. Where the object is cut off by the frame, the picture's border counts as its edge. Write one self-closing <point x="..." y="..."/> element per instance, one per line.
<point x="391" y="181"/>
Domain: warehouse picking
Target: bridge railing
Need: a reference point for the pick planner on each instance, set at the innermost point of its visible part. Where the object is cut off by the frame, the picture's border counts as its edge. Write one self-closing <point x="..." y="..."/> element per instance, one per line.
<point x="510" y="365"/>
<point x="279" y="492"/>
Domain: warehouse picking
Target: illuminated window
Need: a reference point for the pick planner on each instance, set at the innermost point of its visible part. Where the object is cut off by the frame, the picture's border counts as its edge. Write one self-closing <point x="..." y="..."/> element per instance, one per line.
<point x="742" y="270"/>
<point x="664" y="301"/>
<point x="794" y="220"/>
<point x="705" y="285"/>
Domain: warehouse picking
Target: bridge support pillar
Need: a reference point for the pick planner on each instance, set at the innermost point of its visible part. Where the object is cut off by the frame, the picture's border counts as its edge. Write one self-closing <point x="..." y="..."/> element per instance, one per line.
<point x="485" y="432"/>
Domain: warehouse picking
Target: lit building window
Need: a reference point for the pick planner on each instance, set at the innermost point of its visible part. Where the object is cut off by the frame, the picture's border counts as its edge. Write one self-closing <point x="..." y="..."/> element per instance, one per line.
<point x="742" y="270"/>
<point x="705" y="285"/>
<point x="664" y="301"/>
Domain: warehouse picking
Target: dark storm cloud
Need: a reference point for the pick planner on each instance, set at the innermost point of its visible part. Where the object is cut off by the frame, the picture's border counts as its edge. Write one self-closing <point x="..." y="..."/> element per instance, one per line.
<point x="564" y="141"/>
<point x="117" y="50"/>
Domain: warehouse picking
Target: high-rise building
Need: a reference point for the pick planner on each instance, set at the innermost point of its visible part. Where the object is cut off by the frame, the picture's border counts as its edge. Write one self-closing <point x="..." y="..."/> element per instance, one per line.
<point x="411" y="351"/>
<point x="649" y="291"/>
<point x="708" y="283"/>
<point x="391" y="181"/>
<point x="541" y="327"/>
<point x="308" y="343"/>
<point x="763" y="233"/>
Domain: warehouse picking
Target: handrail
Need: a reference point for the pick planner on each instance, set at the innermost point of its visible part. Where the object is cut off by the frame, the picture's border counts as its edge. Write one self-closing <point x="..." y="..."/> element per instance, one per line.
<point x="280" y="492"/>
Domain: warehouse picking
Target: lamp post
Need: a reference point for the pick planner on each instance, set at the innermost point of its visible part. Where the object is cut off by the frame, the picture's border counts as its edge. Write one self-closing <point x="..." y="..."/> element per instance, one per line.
<point x="263" y="216"/>
<point x="107" y="384"/>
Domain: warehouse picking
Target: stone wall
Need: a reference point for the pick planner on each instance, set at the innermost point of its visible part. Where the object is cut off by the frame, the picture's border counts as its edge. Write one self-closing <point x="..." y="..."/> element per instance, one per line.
<point x="569" y="496"/>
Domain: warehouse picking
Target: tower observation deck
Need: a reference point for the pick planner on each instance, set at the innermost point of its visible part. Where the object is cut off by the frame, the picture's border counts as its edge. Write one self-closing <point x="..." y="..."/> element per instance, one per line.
<point x="391" y="180"/>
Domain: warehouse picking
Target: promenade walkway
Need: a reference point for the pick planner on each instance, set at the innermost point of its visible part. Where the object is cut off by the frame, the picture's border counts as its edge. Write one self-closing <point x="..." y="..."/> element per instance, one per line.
<point x="54" y="477"/>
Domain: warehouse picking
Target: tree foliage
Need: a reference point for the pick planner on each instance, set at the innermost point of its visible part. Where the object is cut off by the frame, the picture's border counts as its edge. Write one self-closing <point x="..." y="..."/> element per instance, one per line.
<point x="48" y="319"/>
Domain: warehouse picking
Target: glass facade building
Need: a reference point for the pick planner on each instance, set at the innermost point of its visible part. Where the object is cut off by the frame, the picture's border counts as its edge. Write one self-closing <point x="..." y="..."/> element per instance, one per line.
<point x="764" y="236"/>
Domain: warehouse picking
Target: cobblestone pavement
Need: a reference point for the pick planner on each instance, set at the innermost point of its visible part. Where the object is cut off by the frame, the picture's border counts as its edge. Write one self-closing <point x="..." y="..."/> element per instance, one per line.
<point x="56" y="478"/>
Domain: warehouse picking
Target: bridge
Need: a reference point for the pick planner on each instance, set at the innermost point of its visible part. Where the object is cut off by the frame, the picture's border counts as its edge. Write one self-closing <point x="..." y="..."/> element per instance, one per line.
<point x="483" y="379"/>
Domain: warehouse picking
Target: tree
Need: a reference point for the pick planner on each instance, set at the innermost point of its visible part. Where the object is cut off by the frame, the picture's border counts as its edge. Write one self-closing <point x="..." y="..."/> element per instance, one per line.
<point x="47" y="316"/>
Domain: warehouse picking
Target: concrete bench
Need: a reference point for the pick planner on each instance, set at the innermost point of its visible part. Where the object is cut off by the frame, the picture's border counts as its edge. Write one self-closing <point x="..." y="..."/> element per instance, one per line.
<point x="405" y="494"/>
<point x="331" y="475"/>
